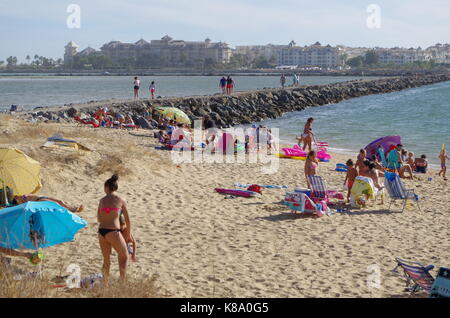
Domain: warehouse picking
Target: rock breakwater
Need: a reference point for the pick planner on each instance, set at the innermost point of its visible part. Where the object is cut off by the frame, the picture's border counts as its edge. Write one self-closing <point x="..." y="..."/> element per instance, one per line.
<point x="248" y="107"/>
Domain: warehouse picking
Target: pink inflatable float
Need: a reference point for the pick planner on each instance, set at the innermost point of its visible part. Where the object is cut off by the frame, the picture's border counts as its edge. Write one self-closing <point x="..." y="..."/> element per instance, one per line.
<point x="298" y="153"/>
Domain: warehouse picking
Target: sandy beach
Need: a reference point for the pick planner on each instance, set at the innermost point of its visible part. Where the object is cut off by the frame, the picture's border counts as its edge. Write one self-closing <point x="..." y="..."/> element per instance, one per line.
<point x="203" y="245"/>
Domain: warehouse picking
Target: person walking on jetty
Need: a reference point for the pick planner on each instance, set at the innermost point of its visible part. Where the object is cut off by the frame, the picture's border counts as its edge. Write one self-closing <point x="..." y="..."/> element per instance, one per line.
<point x="443" y="157"/>
<point x="295" y="79"/>
<point x="137" y="85"/>
<point x="110" y="209"/>
<point x="230" y="85"/>
<point x="223" y="85"/>
<point x="152" y="89"/>
<point x="283" y="80"/>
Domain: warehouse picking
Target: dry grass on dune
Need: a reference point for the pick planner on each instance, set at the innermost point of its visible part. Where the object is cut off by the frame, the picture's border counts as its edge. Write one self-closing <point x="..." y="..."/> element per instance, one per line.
<point x="43" y="287"/>
<point x="107" y="157"/>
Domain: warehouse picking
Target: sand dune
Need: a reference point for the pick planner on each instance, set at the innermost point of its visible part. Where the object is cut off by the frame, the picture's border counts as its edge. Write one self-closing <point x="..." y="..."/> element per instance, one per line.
<point x="204" y="245"/>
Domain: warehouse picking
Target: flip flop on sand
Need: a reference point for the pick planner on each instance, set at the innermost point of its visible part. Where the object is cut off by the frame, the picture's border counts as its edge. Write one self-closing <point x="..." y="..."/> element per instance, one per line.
<point x="36" y="258"/>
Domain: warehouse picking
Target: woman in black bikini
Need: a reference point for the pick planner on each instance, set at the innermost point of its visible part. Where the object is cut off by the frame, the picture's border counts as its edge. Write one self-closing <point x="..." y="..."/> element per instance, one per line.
<point x="109" y="210"/>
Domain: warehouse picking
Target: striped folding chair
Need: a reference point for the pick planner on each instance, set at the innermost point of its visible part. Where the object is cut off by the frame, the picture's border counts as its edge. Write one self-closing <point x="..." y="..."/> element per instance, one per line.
<point x="321" y="145"/>
<point x="417" y="276"/>
<point x="397" y="190"/>
<point x="318" y="188"/>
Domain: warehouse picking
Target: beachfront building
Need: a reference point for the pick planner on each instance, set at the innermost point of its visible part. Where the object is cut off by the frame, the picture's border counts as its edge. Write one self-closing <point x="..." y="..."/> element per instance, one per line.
<point x="351" y="52"/>
<point x="169" y="51"/>
<point x="402" y="56"/>
<point x="269" y="51"/>
<point x="440" y="53"/>
<point x="70" y="50"/>
<point x="314" y="55"/>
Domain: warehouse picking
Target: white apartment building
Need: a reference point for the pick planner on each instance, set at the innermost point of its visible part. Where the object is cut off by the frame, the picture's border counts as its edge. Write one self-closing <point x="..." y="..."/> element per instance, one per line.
<point x="402" y="56"/>
<point x="254" y="51"/>
<point x="314" y="55"/>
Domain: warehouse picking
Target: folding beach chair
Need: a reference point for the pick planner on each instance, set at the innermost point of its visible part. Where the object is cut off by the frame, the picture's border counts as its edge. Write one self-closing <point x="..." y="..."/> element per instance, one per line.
<point x="318" y="188"/>
<point x="397" y="190"/>
<point x="417" y="276"/>
<point x="321" y="145"/>
<point x="300" y="202"/>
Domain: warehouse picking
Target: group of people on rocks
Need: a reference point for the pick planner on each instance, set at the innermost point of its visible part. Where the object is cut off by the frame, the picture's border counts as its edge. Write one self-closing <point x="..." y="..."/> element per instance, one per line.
<point x="295" y="80"/>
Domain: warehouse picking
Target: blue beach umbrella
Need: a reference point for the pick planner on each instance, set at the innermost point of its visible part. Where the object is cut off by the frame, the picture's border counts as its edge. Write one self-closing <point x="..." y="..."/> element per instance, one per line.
<point x="35" y="225"/>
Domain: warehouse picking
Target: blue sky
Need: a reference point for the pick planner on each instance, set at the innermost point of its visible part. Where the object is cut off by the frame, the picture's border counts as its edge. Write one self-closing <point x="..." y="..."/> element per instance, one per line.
<point x="39" y="27"/>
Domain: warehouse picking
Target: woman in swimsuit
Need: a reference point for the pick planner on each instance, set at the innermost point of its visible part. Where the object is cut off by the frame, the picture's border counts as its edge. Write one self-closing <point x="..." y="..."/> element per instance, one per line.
<point x="110" y="235"/>
<point x="311" y="165"/>
<point x="20" y="199"/>
<point x="137" y="85"/>
<point x="308" y="135"/>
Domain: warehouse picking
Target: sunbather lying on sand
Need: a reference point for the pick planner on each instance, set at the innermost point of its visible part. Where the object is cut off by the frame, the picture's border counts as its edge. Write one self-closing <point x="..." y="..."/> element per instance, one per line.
<point x="33" y="257"/>
<point x="19" y="199"/>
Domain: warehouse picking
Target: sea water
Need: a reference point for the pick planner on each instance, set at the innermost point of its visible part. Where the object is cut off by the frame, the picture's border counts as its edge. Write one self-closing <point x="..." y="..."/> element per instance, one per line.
<point x="34" y="91"/>
<point x="421" y="116"/>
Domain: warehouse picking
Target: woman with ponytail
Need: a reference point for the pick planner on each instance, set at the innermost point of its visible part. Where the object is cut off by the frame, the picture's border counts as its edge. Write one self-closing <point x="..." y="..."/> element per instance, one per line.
<point x="110" y="209"/>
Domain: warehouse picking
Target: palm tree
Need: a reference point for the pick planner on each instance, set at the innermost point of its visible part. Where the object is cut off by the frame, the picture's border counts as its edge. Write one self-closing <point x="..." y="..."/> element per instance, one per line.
<point x="28" y="58"/>
<point x="36" y="60"/>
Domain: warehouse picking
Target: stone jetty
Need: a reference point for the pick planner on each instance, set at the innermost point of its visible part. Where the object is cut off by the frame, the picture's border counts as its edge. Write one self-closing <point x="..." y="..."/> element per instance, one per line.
<point x="247" y="107"/>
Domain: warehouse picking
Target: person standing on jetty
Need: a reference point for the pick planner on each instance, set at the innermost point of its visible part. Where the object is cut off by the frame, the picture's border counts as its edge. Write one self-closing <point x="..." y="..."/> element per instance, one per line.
<point x="223" y="85"/>
<point x="152" y="89"/>
<point x="230" y="85"/>
<point x="294" y="79"/>
<point x="283" y="80"/>
<point x="110" y="209"/>
<point x="137" y="85"/>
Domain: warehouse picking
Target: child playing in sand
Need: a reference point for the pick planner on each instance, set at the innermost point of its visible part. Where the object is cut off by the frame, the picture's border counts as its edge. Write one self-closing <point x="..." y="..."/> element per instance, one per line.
<point x="130" y="244"/>
<point x="352" y="173"/>
<point x="421" y="164"/>
<point x="443" y="157"/>
<point x="411" y="160"/>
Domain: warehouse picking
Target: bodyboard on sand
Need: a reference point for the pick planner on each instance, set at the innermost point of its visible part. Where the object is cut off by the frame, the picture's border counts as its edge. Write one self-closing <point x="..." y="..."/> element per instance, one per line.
<point x="237" y="192"/>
